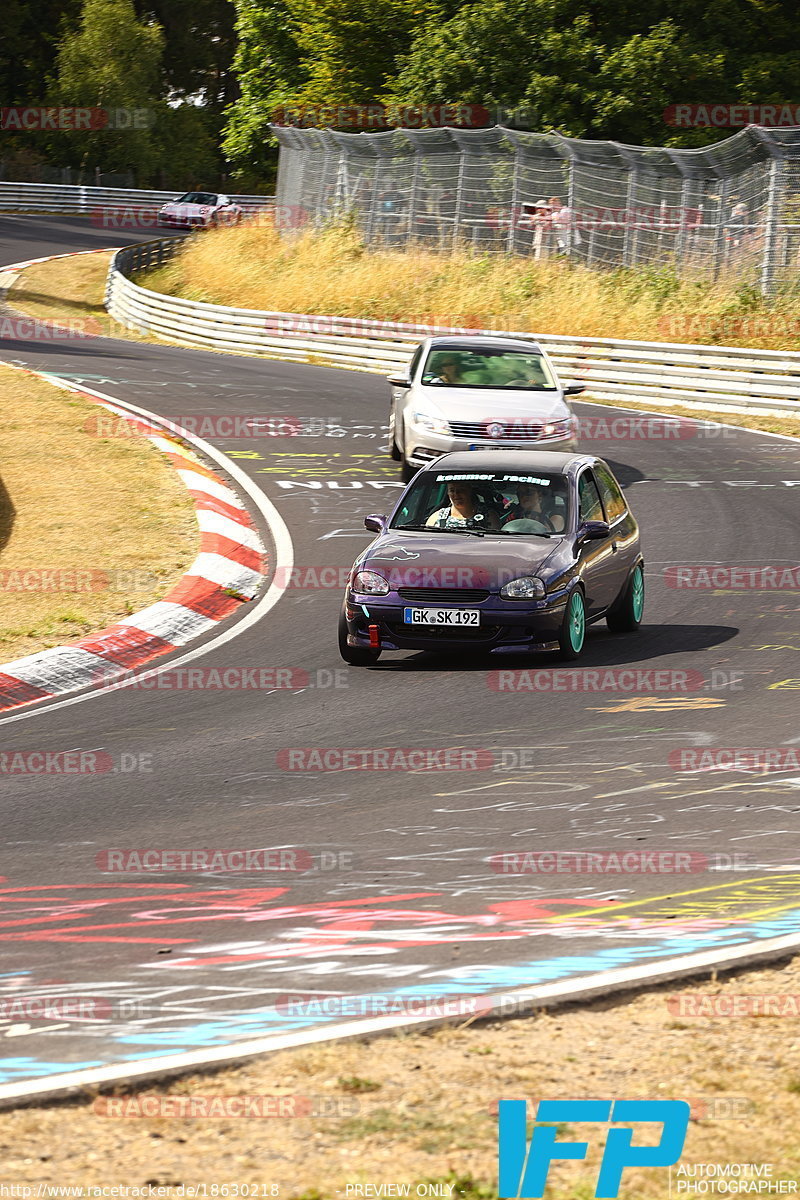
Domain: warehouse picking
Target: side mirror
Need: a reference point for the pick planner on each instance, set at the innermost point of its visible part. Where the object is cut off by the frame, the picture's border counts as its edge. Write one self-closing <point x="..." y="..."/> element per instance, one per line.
<point x="575" y="389"/>
<point x="399" y="380"/>
<point x="376" y="523"/>
<point x="594" y="531"/>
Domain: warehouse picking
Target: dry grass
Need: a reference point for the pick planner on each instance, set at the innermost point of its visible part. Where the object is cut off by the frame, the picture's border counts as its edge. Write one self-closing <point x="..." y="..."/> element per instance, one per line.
<point x="420" y="1107"/>
<point x="68" y="292"/>
<point x="253" y="267"/>
<point x="76" y="502"/>
<point x="72" y="289"/>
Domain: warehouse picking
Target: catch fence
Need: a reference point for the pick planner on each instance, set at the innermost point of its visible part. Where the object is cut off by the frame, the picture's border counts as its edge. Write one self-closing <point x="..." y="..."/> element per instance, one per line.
<point x="733" y="206"/>
<point x="663" y="374"/>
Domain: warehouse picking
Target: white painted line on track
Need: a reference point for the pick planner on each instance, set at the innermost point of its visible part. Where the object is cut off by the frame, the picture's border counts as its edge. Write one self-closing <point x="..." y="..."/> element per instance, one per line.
<point x="281" y="538"/>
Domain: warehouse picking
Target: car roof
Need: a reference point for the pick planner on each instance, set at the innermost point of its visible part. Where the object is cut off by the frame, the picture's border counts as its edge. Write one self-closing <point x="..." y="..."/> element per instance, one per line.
<point x="478" y="342"/>
<point x="510" y="460"/>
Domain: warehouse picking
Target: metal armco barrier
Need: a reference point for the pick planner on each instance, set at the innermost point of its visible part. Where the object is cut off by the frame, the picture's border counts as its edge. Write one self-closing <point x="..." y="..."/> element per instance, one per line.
<point x="660" y="372"/>
<point x="74" y="199"/>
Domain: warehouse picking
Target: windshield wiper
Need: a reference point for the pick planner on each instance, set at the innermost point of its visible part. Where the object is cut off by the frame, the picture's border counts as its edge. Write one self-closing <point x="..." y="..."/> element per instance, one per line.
<point x="443" y="529"/>
<point x="513" y="533"/>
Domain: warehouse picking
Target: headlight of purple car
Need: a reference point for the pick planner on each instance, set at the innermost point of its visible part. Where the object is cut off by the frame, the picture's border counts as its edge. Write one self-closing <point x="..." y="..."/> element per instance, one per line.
<point x="370" y="583"/>
<point x="528" y="587"/>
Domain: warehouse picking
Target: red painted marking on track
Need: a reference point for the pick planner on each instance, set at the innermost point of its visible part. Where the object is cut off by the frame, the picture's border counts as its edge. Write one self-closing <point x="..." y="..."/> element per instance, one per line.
<point x="57" y="937"/>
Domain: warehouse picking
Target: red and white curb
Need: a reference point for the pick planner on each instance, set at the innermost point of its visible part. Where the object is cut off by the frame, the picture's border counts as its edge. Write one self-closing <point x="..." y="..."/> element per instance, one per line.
<point x="228" y="571"/>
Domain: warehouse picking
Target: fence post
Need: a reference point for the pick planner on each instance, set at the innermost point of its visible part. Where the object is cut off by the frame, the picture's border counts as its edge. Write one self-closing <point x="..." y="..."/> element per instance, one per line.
<point x="373" y="208"/>
<point x="413" y="198"/>
<point x="574" y="222"/>
<point x="515" y="203"/>
<point x="680" y="240"/>
<point x="459" y="213"/>
<point x="771" y="228"/>
<point x="630" y="231"/>
<point x="719" y="232"/>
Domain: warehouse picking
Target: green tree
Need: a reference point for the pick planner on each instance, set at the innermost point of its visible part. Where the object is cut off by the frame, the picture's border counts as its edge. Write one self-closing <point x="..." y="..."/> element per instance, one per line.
<point x="112" y="62"/>
<point x="199" y="44"/>
<point x="352" y="52"/>
<point x="606" y="70"/>
<point x="29" y="46"/>
<point x="300" y="53"/>
<point x="270" y="69"/>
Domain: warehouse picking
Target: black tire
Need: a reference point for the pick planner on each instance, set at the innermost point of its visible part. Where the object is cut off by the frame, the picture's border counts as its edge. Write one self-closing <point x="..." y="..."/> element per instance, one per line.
<point x="626" y="615"/>
<point x="572" y="634"/>
<point x="355" y="656"/>
<point x="395" y="451"/>
<point x="407" y="472"/>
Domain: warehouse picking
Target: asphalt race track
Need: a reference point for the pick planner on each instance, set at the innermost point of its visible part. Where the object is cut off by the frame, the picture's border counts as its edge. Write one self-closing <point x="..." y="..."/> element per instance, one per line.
<point x="399" y="897"/>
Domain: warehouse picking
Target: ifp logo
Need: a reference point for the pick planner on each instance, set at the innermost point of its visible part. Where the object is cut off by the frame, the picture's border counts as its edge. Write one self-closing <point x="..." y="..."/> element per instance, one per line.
<point x="523" y="1169"/>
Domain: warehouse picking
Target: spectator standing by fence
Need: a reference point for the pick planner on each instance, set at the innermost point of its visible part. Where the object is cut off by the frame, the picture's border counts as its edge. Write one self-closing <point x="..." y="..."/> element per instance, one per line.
<point x="563" y="224"/>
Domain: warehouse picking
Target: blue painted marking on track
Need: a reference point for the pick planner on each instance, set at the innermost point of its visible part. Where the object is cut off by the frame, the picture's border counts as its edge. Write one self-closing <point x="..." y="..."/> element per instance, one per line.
<point x="471" y="980"/>
<point x="30" y="1068"/>
<point x="475" y="980"/>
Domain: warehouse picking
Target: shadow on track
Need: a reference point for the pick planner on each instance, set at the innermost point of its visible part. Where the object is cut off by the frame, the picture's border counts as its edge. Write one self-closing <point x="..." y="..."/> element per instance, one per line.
<point x="602" y="649"/>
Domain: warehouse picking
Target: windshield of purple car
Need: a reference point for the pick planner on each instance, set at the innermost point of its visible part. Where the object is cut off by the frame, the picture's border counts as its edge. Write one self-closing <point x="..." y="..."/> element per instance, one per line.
<point x="198" y="198"/>
<point x="523" y="369"/>
<point x="497" y="502"/>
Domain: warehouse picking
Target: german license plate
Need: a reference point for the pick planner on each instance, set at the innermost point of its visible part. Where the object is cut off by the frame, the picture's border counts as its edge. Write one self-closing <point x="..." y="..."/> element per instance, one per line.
<point x="442" y="616"/>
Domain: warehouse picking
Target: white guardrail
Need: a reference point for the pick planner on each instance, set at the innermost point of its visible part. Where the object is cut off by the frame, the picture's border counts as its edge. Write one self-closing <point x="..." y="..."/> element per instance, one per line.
<point x="658" y="372"/>
<point x="74" y="199"/>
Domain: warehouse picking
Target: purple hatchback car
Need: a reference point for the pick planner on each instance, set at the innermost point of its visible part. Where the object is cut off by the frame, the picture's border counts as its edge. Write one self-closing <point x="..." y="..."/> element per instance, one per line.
<point x="496" y="551"/>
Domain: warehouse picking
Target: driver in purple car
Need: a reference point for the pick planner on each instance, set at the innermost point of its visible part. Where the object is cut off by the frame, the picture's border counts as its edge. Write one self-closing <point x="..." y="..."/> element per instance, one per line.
<point x="532" y="505"/>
